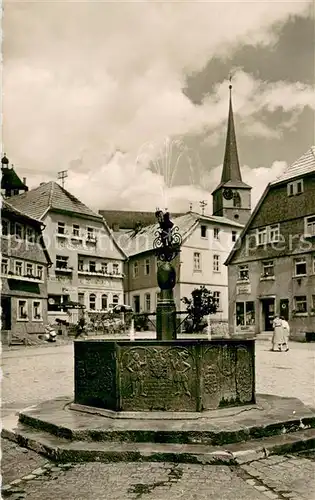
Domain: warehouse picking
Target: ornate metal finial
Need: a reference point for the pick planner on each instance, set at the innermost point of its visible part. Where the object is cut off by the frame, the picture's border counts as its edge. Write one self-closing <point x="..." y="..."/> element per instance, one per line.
<point x="168" y="240"/>
<point x="5" y="160"/>
<point x="190" y="207"/>
<point x="203" y="205"/>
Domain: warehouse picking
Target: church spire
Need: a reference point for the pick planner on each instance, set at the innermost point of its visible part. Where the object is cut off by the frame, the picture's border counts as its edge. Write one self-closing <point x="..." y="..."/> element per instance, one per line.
<point x="231" y="167"/>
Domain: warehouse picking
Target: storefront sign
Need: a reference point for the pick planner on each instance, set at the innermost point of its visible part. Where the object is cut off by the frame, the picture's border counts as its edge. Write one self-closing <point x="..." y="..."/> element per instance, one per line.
<point x="244" y="288"/>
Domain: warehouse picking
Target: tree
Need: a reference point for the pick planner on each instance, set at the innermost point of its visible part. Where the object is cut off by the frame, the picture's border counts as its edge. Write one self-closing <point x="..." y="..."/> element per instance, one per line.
<point x="198" y="306"/>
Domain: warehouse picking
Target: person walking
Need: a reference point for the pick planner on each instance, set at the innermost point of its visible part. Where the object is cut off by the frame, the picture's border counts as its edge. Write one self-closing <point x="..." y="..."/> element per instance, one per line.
<point x="278" y="338"/>
<point x="286" y="333"/>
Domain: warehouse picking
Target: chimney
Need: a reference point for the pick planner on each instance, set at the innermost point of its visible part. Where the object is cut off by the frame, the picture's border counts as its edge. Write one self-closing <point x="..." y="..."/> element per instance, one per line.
<point x="24" y="180"/>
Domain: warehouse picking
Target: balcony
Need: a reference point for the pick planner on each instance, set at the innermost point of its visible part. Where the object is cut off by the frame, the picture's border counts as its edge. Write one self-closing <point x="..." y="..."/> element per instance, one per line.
<point x="31" y="278"/>
<point x="91" y="238"/>
<point x="76" y="237"/>
<point x="62" y="235"/>
<point x="86" y="272"/>
<point x="66" y="270"/>
<point x="267" y="277"/>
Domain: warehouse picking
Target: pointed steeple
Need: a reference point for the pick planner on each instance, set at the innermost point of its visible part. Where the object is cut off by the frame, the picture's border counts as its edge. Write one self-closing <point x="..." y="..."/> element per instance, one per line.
<point x="231" y="167"/>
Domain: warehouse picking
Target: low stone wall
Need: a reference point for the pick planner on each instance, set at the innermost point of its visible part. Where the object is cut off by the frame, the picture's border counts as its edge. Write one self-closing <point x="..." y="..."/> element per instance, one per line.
<point x="181" y="375"/>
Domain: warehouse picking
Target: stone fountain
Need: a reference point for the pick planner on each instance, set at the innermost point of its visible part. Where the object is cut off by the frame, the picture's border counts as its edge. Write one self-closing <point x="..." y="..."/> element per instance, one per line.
<point x="165" y="374"/>
<point x="164" y="399"/>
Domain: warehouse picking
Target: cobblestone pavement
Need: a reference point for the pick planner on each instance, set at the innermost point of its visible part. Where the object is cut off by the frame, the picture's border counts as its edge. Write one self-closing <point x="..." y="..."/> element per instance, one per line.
<point x="275" y="478"/>
<point x="36" y="374"/>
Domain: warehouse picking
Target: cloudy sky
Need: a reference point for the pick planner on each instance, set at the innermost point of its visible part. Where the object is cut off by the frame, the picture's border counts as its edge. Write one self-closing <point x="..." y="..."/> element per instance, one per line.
<point x="132" y="97"/>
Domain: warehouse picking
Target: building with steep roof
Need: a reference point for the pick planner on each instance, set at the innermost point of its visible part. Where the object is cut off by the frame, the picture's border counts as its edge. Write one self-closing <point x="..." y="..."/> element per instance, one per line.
<point x="11" y="184"/>
<point x="24" y="264"/>
<point x="207" y="241"/>
<point x="87" y="262"/>
<point x="272" y="269"/>
<point x="232" y="197"/>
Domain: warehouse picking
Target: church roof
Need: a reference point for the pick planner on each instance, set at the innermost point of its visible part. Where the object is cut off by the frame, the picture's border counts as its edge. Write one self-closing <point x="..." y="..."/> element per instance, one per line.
<point x="231" y="172"/>
<point x="50" y="196"/>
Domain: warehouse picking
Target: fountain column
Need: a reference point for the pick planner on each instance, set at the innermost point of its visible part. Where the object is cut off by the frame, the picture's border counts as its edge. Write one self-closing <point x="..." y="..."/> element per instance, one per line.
<point x="167" y="246"/>
<point x="166" y="309"/>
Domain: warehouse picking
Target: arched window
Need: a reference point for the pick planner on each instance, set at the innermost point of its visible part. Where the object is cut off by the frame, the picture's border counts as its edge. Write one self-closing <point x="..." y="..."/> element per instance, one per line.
<point x="104" y="302"/>
<point x="92" y="301"/>
<point x="236" y="200"/>
<point x="115" y="300"/>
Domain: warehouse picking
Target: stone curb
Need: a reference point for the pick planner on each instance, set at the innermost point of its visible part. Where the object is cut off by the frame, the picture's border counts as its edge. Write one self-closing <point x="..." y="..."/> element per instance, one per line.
<point x="63" y="451"/>
<point x="205" y="437"/>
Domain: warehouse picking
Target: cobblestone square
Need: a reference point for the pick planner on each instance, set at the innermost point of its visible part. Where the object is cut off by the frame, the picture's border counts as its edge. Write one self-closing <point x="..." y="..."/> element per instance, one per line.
<point x="47" y="372"/>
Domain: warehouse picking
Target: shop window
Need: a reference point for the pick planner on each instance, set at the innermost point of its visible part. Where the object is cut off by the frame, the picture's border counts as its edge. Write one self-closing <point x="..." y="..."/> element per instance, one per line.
<point x="37" y="310"/>
<point x="147" y="302"/>
<point x="104" y="302"/>
<point x="300" y="303"/>
<point x="22" y="310"/>
<point x="245" y="313"/>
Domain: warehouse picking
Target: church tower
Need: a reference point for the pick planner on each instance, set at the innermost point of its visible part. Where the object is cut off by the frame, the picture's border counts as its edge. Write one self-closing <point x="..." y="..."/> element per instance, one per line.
<point x="232" y="197"/>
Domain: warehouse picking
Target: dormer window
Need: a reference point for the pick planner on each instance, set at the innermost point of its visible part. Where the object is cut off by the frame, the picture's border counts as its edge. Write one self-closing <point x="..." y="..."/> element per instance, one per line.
<point x="30" y="235"/>
<point x="203" y="231"/>
<point x="294" y="188"/>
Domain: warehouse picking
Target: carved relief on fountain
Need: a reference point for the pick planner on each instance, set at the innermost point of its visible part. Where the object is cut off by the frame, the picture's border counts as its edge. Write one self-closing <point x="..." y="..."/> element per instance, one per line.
<point x="157" y="378"/>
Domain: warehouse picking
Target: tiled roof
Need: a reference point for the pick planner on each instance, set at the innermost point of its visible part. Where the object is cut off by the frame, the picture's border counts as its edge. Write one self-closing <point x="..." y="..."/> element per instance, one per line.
<point x="304" y="165"/>
<point x="7" y="207"/>
<point x="135" y="243"/>
<point x="128" y="219"/>
<point x="50" y="196"/>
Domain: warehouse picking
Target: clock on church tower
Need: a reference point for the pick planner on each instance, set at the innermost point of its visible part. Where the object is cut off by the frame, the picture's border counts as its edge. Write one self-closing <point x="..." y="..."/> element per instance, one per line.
<point x="232" y="197"/>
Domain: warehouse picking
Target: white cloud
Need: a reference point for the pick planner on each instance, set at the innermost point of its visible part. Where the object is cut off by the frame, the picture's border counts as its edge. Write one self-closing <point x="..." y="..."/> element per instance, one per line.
<point x="82" y="79"/>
